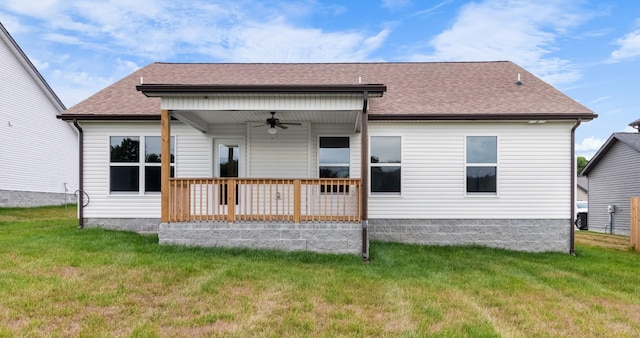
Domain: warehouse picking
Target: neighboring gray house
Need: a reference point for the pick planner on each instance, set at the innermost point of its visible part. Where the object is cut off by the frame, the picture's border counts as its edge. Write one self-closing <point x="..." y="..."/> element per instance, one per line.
<point x="614" y="177"/>
<point x="582" y="191"/>
<point x="38" y="152"/>
<point x="326" y="156"/>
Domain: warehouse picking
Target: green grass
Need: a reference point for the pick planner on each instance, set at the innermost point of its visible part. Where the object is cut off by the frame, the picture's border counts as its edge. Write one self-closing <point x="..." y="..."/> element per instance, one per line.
<point x="56" y="280"/>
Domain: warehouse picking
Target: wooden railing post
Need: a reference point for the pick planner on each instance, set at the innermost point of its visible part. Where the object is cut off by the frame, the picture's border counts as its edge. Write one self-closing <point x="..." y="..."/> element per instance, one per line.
<point x="297" y="201"/>
<point x="231" y="200"/>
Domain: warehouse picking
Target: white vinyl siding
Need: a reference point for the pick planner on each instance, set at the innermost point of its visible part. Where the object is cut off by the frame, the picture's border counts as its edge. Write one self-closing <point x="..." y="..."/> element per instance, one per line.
<point x="283" y="155"/>
<point x="534" y="162"/>
<point x="39" y="152"/>
<point x="193" y="159"/>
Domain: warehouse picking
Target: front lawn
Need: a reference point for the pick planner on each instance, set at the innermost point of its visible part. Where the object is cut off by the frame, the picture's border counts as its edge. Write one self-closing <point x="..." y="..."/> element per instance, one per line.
<point x="56" y="280"/>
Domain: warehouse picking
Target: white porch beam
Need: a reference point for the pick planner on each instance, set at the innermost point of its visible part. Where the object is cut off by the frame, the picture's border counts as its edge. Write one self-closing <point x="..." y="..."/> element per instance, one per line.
<point x="191" y="119"/>
<point x="358" y="123"/>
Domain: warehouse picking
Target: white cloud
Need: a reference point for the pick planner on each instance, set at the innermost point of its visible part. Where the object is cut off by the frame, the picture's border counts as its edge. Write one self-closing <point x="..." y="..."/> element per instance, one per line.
<point x="279" y="42"/>
<point x="629" y="48"/>
<point x="61" y="38"/>
<point x="40" y="65"/>
<point x="73" y="87"/>
<point x="432" y="9"/>
<point x="395" y="4"/>
<point x="12" y="24"/>
<point x="521" y="31"/>
<point x="602" y="98"/>
<point x="228" y="31"/>
<point x="110" y="38"/>
<point x="126" y="66"/>
<point x="589" y="144"/>
<point x="35" y="8"/>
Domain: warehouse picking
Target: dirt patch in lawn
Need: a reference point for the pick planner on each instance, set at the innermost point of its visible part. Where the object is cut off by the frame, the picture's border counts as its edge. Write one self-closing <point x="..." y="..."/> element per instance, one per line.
<point x="603" y="240"/>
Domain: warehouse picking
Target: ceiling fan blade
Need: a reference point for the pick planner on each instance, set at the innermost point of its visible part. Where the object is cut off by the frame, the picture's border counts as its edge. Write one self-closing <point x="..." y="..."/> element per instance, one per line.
<point x="291" y="123"/>
<point x="279" y="125"/>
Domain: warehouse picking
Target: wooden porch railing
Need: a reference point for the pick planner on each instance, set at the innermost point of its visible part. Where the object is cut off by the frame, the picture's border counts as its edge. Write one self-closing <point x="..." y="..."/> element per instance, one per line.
<point x="253" y="199"/>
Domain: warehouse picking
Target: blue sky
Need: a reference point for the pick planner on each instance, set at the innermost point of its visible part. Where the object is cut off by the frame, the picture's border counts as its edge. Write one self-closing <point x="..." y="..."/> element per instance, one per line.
<point x="590" y="50"/>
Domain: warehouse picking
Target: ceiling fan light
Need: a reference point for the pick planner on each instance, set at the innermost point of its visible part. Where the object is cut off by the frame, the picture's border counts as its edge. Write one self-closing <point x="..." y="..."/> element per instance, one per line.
<point x="272" y="130"/>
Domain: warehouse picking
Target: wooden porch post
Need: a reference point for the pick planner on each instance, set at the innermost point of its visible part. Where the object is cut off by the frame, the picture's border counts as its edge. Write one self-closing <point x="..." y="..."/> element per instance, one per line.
<point x="297" y="199"/>
<point x="165" y="164"/>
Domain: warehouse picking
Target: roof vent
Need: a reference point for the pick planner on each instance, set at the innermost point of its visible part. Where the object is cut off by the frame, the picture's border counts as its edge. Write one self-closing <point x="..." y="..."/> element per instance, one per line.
<point x="519" y="83"/>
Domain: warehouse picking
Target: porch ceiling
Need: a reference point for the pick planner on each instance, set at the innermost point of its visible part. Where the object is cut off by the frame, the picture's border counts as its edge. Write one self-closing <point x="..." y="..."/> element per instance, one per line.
<point x="244" y="116"/>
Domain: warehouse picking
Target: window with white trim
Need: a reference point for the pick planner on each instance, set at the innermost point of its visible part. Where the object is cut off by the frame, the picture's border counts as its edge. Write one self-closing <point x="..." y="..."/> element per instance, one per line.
<point x="481" y="164"/>
<point x="333" y="159"/>
<point x="130" y="172"/>
<point x="386" y="164"/>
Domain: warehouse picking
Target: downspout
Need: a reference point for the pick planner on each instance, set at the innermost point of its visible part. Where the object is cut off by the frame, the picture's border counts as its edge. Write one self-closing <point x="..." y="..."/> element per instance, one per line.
<point x="364" y="177"/>
<point x="80" y="175"/>
<point x="573" y="171"/>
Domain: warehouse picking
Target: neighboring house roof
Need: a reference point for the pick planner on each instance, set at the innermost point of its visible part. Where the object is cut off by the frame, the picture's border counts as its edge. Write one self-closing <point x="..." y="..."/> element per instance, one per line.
<point x="31" y="69"/>
<point x="630" y="139"/>
<point x="430" y="90"/>
<point x="583" y="183"/>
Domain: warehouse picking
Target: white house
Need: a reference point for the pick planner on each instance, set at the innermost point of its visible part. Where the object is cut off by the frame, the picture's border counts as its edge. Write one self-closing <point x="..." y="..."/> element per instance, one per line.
<point x="326" y="157"/>
<point x="39" y="153"/>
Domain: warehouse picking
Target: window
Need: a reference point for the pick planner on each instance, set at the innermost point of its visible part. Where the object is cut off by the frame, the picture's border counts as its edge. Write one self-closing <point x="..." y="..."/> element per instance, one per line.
<point x="386" y="164"/>
<point x="482" y="164"/>
<point x="333" y="160"/>
<point x="128" y="169"/>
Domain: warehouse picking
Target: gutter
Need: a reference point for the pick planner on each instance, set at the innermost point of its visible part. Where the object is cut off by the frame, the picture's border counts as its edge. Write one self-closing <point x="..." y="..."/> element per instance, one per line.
<point x="481" y="117"/>
<point x="155" y="90"/>
<point x="80" y="176"/>
<point x="572" y="239"/>
<point x="364" y="177"/>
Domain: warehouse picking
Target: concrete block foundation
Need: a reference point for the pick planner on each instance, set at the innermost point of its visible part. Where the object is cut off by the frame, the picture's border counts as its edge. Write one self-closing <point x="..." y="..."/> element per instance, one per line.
<point x="532" y="235"/>
<point x="317" y="237"/>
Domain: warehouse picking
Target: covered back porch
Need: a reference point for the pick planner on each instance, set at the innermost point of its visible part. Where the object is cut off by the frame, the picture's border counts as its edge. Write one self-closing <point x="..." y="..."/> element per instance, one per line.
<point x="310" y="213"/>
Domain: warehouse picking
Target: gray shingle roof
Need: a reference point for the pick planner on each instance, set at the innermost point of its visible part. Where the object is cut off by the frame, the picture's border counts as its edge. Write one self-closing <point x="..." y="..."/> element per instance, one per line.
<point x="430" y="88"/>
<point x="630" y="139"/>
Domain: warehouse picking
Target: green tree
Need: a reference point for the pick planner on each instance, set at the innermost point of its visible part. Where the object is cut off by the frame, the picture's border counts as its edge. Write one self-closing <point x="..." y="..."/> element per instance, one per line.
<point x="581" y="163"/>
<point x="127" y="151"/>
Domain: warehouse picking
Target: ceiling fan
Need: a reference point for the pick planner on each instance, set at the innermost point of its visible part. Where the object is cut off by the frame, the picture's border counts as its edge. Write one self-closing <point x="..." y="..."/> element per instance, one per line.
<point x="273" y="122"/>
